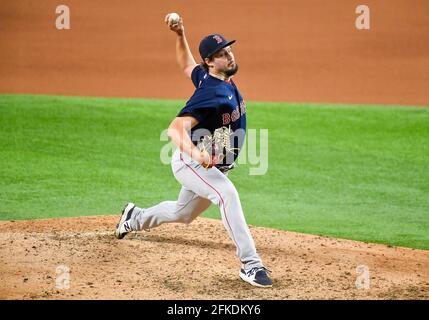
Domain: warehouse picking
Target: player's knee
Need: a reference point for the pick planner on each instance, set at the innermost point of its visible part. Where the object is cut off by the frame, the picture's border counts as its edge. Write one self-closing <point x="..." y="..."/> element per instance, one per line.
<point x="214" y="198"/>
<point x="225" y="197"/>
<point x="228" y="193"/>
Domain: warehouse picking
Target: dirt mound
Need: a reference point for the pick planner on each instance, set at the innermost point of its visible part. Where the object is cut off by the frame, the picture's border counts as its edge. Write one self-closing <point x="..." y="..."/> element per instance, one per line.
<point x="195" y="262"/>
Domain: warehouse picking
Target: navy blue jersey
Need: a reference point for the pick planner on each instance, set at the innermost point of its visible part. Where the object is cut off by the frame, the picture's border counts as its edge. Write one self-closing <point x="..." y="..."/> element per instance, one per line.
<point x="216" y="104"/>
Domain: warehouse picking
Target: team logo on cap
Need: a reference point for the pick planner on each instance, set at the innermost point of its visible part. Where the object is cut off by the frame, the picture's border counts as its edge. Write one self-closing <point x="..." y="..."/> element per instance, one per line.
<point x="218" y="39"/>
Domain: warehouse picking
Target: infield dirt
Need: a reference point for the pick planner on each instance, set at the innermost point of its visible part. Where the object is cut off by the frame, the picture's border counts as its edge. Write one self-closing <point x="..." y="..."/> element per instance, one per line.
<point x="195" y="261"/>
<point x="296" y="51"/>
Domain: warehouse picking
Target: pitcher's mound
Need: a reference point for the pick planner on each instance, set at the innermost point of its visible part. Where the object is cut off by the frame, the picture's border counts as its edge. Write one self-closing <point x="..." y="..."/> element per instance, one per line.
<point x="79" y="258"/>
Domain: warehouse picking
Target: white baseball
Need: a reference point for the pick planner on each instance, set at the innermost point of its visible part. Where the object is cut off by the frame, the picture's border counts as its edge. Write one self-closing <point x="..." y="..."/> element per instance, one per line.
<point x="173" y="18"/>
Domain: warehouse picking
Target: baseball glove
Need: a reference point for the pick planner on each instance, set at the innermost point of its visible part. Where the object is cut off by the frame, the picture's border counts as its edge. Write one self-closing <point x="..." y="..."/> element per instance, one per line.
<point x="217" y="145"/>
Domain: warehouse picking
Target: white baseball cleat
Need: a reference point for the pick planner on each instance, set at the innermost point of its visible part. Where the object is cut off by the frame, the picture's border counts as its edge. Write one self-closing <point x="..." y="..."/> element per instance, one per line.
<point x="257" y="276"/>
<point x="123" y="227"/>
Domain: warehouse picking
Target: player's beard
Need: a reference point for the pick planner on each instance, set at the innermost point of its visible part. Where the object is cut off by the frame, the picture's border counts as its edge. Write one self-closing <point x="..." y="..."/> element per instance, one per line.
<point x="232" y="71"/>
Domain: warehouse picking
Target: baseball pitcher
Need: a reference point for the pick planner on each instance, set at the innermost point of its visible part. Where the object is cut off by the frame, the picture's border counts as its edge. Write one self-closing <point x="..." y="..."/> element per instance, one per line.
<point x="209" y="132"/>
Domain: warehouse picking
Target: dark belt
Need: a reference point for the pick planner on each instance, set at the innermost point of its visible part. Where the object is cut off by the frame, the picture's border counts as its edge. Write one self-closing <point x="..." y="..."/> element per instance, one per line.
<point x="224" y="169"/>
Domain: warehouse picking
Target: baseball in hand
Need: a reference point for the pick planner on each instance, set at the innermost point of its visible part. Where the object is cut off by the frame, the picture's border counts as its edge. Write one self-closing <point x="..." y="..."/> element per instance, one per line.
<point x="173" y="18"/>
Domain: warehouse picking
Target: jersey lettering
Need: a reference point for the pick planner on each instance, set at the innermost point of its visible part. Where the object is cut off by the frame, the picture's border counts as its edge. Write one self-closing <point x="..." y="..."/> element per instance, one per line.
<point x="235" y="115"/>
<point x="242" y="107"/>
<point x="226" y="119"/>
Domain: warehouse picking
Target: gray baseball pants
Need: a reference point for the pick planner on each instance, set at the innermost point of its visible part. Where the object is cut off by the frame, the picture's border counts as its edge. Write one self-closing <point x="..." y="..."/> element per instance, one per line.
<point x="200" y="188"/>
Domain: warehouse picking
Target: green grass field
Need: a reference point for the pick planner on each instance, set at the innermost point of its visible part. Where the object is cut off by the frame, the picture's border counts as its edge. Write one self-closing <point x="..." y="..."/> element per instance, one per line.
<point x="355" y="172"/>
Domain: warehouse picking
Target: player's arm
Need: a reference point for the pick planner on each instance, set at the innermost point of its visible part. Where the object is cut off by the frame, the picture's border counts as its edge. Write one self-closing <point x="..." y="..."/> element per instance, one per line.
<point x="184" y="56"/>
<point x="178" y="133"/>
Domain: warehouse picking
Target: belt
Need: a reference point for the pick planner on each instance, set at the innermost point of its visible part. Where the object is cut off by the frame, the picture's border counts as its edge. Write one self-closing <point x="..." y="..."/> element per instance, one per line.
<point x="224" y="169"/>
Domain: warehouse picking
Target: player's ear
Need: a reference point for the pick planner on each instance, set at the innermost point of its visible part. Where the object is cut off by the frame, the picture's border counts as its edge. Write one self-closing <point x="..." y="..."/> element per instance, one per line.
<point x="208" y="62"/>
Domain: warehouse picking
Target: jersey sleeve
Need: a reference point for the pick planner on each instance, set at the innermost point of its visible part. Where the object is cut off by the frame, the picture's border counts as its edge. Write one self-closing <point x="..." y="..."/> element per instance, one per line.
<point x="197" y="75"/>
<point x="203" y="103"/>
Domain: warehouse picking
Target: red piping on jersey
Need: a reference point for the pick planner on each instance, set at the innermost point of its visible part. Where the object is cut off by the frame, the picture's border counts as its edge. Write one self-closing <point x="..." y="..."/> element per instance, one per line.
<point x="221" y="199"/>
